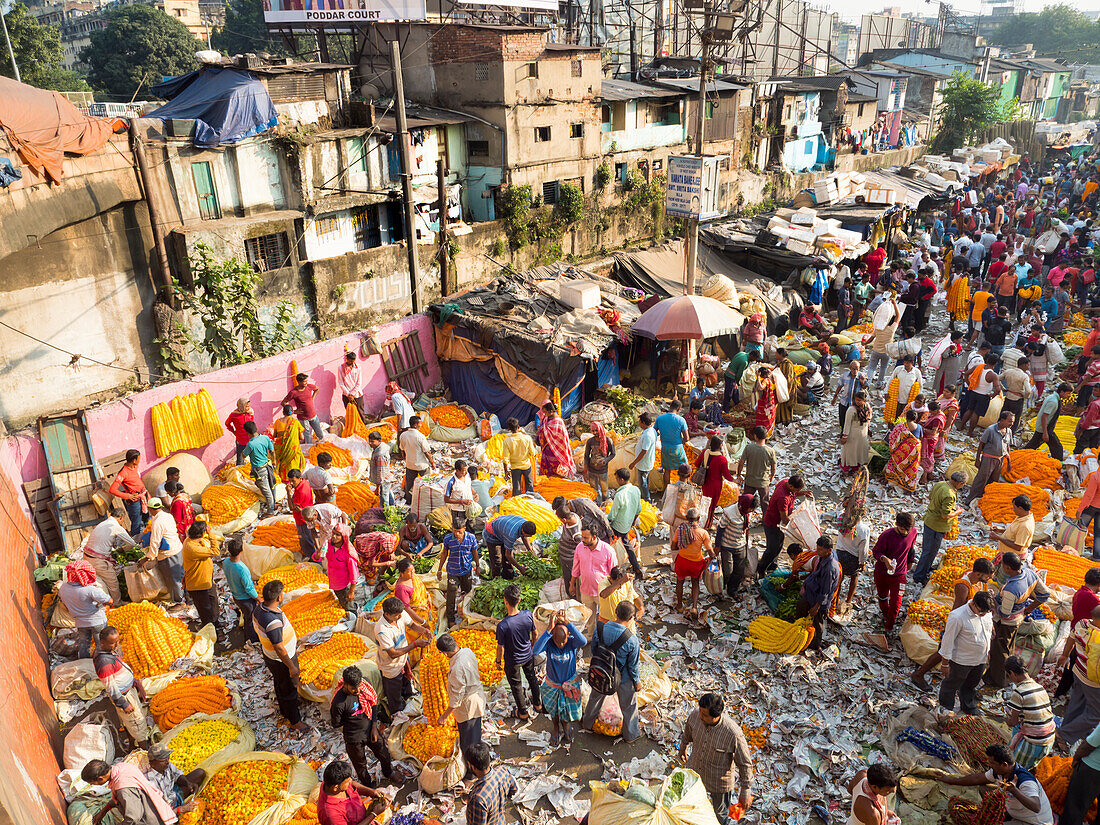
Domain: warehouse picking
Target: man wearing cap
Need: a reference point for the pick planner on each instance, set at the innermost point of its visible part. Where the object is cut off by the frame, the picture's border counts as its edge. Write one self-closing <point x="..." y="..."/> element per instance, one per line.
<point x="176" y="785"/>
<point x="350" y="378"/>
<point x="165" y="549"/>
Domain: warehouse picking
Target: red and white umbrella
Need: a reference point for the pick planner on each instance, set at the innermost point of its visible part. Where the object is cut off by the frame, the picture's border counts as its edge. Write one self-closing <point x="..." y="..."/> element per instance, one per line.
<point x="688" y="316"/>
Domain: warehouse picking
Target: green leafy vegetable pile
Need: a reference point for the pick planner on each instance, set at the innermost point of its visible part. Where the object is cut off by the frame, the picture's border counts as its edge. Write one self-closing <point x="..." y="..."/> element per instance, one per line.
<point x="395" y="517"/>
<point x="128" y="555"/>
<point x="488" y="598"/>
<point x="423" y="564"/>
<point x="539" y="570"/>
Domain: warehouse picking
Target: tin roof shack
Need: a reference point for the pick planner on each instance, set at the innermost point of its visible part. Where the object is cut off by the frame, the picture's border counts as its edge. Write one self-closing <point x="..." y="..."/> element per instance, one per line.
<point x="799" y="140"/>
<point x="642" y="125"/>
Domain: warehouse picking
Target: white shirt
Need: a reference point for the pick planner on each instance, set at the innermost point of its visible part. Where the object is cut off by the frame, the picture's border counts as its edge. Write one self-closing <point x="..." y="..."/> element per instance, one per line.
<point x="403" y="408"/>
<point x="461" y="488"/>
<point x="318" y="477"/>
<point x="858" y="544"/>
<point x="163" y="526"/>
<point x="102" y="538"/>
<point x="906" y="380"/>
<point x="390" y="637"/>
<point x="328" y="515"/>
<point x="966" y="636"/>
<point x="1016" y="810"/>
<point x="415" y="447"/>
<point x="464" y="691"/>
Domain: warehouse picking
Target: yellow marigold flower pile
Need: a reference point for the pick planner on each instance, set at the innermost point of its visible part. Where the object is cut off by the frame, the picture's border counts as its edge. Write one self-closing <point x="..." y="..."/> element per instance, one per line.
<point x="996" y="501"/>
<point x="306" y="815"/>
<point x="294" y="576"/>
<point x="433" y="670"/>
<point x="956" y="561"/>
<point x="550" y="487"/>
<point x="1080" y="321"/>
<point x="279" y="534"/>
<point x="425" y="741"/>
<point x="123" y="617"/>
<point x="424" y="426"/>
<point x="243" y="790"/>
<point x="774" y="635"/>
<point x="318" y="665"/>
<point x="606" y="729"/>
<point x="188" y="696"/>
<point x="385" y="430"/>
<point x="1053" y="773"/>
<point x="223" y="503"/>
<point x="861" y="329"/>
<point x="355" y="497"/>
<point x="200" y="741"/>
<point x="1042" y="470"/>
<point x="340" y="457"/>
<point x="544" y="519"/>
<point x="930" y="615"/>
<point x="450" y="415"/>
<point x="1062" y="568"/>
<point x="152" y="642"/>
<point x="1074" y="338"/>
<point x="484" y="644"/>
<point x="313" y="611"/>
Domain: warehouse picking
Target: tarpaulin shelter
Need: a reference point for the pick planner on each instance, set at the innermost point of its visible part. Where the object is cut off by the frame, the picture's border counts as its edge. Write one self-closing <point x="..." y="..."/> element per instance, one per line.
<point x="43" y="127"/>
<point x="504" y="347"/>
<point x="226" y="103"/>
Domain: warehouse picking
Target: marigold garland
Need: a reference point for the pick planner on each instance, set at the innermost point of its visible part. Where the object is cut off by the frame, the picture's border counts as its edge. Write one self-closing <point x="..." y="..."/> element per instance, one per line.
<point x="224" y="503"/>
<point x="279" y="534"/>
<point x="294" y="576"/>
<point x="318" y="665"/>
<point x="340" y="457"/>
<point x="1042" y="470"/>
<point x="451" y="416"/>
<point x="1063" y="568"/>
<point x="996" y="501"/>
<point x="313" y="611"/>
<point x="187" y="696"/>
<point x="355" y="498"/>
<point x="241" y="791"/>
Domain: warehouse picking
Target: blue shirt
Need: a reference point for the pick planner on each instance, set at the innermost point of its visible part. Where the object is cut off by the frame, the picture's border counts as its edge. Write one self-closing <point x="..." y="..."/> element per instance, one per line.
<point x="505" y="530"/>
<point x="699" y="394"/>
<point x="626" y="656"/>
<point x="647" y="447"/>
<point x="822" y="582"/>
<point x="460" y="554"/>
<point x="239" y="580"/>
<point x="669" y="427"/>
<point x="1050" y="307"/>
<point x="848" y="385"/>
<point x="1093" y="759"/>
<point x="514" y="635"/>
<point x="258" y="449"/>
<point x="975" y="254"/>
<point x="561" y="662"/>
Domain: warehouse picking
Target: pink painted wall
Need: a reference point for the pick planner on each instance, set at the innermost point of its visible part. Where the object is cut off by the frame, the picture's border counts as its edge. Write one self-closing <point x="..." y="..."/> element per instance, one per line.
<point x="126" y="423"/>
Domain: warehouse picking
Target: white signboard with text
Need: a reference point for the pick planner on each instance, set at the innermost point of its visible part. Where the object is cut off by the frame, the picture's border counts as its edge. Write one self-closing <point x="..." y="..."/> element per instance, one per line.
<point x="691" y="190"/>
<point x="341" y="12"/>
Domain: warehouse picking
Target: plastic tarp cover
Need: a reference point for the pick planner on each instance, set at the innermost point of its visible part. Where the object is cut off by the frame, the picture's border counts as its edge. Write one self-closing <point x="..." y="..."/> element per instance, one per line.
<point x="607" y="369"/>
<point x="43" y="126"/>
<point x="479" y="385"/>
<point x="226" y="104"/>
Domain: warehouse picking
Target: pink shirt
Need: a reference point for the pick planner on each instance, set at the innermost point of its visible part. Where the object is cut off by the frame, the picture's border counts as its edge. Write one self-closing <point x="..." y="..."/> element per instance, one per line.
<point x="351" y="380"/>
<point x="342" y="569"/>
<point x="592" y="566"/>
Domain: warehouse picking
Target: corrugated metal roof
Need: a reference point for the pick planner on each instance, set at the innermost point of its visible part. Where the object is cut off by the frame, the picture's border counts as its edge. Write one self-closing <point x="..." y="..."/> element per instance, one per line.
<point x="691" y="84"/>
<point x="617" y="90"/>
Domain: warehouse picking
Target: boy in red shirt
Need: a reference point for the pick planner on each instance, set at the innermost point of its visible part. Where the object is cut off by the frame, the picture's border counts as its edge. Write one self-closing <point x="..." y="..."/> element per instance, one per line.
<point x="302" y="399"/>
<point x="235" y="425"/>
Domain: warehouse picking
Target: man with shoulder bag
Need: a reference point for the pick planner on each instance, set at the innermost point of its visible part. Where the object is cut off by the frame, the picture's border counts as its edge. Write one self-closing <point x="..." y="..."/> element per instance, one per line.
<point x="614" y="669"/>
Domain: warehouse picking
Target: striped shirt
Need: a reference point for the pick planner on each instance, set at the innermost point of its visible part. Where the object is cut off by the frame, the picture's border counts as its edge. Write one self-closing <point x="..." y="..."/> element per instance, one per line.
<point x="460" y="554"/>
<point x="273" y="627"/>
<point x="716" y="750"/>
<point x="1081" y="632"/>
<point x="117" y="678"/>
<point x="1032" y="703"/>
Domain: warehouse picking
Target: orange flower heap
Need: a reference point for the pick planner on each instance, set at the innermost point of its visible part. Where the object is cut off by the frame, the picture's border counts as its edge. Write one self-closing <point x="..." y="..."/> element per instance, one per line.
<point x="313" y="611"/>
<point x="151" y="640"/>
<point x="484" y="644"/>
<point x="1039" y="468"/>
<point x="306" y="815"/>
<point x="930" y="615"/>
<point x="294" y="576"/>
<point x="184" y="697"/>
<point x="956" y="561"/>
<point x="550" y="487"/>
<point x="425" y="741"/>
<point x="223" y="503"/>
<point x="280" y="534"/>
<point x="1062" y="568"/>
<point x="340" y="457"/>
<point x="241" y="791"/>
<point x="355" y="497"/>
<point x="450" y="415"/>
<point x="996" y="501"/>
<point x="319" y="664"/>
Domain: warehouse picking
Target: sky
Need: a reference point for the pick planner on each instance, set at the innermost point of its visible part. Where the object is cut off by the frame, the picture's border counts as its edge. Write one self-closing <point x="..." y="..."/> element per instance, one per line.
<point x="966" y="7"/>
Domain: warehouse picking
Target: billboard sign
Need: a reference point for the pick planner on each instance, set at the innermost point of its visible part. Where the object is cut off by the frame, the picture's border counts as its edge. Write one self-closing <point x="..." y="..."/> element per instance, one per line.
<point x="341" y="12"/>
<point x="541" y="5"/>
<point x="692" y="187"/>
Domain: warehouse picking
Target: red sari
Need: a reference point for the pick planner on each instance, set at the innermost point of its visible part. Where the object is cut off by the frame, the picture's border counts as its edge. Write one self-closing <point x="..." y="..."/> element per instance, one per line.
<point x="718" y="471"/>
<point x="766" y="407"/>
<point x="932" y="426"/>
<point x="557" y="453"/>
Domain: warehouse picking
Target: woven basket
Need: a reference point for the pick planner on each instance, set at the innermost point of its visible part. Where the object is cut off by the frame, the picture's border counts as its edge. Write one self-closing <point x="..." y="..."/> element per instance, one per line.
<point x="598" y="411"/>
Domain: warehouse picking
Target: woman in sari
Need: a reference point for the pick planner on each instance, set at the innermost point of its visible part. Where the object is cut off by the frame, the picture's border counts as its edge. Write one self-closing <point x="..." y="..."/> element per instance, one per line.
<point x="414" y="595"/>
<point x="767" y="405"/>
<point x="855" y="444"/>
<point x="932" y="427"/>
<point x="557" y="453"/>
<point x="752" y="334"/>
<point x="958" y="297"/>
<point x="949" y="406"/>
<point x="785" y="365"/>
<point x="288" y="443"/>
<point x="903" y="468"/>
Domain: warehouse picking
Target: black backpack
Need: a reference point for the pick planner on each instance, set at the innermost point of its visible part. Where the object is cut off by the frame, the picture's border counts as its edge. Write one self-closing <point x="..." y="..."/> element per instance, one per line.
<point x="603" y="671"/>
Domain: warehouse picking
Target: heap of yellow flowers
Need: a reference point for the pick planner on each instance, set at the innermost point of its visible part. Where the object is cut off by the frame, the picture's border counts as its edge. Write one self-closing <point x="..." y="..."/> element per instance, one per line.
<point x="123" y="617"/>
<point x="355" y="497"/>
<point x="340" y="457"/>
<point x="544" y="519"/>
<point x="450" y="415"/>
<point x="225" y="502"/>
<point x="1062" y="568"/>
<point x="774" y="635"/>
<point x="433" y="670"/>
<point x="1074" y="338"/>
<point x="386" y="431"/>
<point x="241" y="791"/>
<point x="956" y="561"/>
<point x="319" y="664"/>
<point x="186" y="422"/>
<point x="187" y="696"/>
<point x="278" y="534"/>
<point x="306" y="815"/>
<point x="929" y="614"/>
<point x="294" y="576"/>
<point x="151" y="642"/>
<point x="313" y="611"/>
<point x="484" y="644"/>
<point x="996" y="501"/>
<point x="425" y="741"/>
<point x="200" y="741"/>
<point x="1042" y="470"/>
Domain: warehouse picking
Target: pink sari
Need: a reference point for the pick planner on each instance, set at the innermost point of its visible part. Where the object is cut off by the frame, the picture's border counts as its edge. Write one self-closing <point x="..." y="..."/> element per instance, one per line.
<point x="931" y="440"/>
<point x="557" y="453"/>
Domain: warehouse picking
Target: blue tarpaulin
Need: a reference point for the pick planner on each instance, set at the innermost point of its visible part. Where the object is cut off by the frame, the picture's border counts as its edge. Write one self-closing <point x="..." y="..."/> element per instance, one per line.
<point x="227" y="104"/>
<point x="479" y="385"/>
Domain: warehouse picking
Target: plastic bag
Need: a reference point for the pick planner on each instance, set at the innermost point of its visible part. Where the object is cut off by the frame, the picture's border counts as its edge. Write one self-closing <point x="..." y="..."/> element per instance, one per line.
<point x="994" y="411"/>
<point x="453" y="435"/>
<point x="575" y="612"/>
<point x="88" y="741"/>
<point x="77" y="678"/>
<point x="782" y="393"/>
<point x="659" y="689"/>
<point x="610" y="720"/>
<point x="300" y="784"/>
<point x="553" y="591"/>
<point x="692" y="808"/>
<point x="916" y="642"/>
<point x="244" y="743"/>
<point x="143" y="583"/>
<point x="804" y="526"/>
<point x="82" y="810"/>
<point x="964" y="462"/>
<point x="260" y="558"/>
<point x="60" y="617"/>
<point x="439" y="519"/>
<point x="440" y="774"/>
<point x="713" y="579"/>
<point x="426" y="496"/>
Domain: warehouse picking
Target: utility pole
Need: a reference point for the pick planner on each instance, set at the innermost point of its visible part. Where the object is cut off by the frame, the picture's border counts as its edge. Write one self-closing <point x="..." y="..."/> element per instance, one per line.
<point x="693" y="223"/>
<point x="444" y="253"/>
<point x="658" y="28"/>
<point x="633" y="44"/>
<point x="11" y="52"/>
<point x="406" y="174"/>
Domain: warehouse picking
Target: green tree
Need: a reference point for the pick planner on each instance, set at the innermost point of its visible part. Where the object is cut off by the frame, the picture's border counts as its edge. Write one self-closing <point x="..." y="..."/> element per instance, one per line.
<point x="1056" y="31"/>
<point x="38" y="52"/>
<point x="245" y="31"/>
<point x="139" y="46"/>
<point x="570" y="205"/>
<point x="968" y="105"/>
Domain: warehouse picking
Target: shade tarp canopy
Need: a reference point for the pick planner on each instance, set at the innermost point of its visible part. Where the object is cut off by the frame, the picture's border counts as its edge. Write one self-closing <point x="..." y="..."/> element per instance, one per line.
<point x="226" y="104"/>
<point x="43" y="127"/>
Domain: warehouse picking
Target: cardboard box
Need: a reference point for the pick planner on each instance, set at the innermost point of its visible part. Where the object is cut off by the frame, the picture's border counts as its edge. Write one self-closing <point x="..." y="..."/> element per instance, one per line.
<point x="800" y="247"/>
<point x="580" y="294"/>
<point x="805" y="217"/>
<point x="882" y="197"/>
<point x="825" y="191"/>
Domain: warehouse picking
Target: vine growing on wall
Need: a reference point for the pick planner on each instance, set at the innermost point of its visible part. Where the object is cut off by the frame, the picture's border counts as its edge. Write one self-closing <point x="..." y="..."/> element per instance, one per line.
<point x="223" y="302"/>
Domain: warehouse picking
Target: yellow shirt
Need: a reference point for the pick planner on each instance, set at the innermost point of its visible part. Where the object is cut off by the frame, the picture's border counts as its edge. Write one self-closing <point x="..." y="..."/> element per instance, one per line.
<point x="1018" y="532"/>
<point x="198" y="563"/>
<point x="625" y="593"/>
<point x="518" y="451"/>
